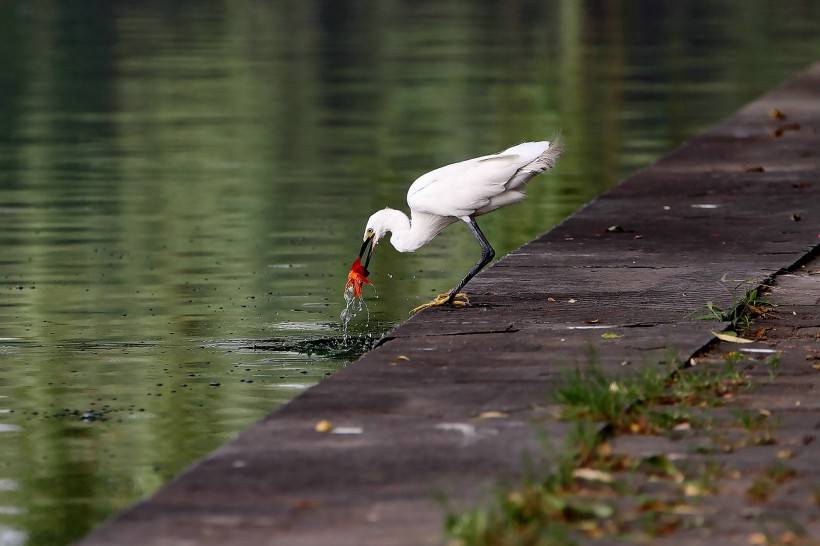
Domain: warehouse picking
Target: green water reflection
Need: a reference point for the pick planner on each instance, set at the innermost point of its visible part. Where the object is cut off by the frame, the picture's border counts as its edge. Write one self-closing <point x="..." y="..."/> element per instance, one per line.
<point x="180" y="179"/>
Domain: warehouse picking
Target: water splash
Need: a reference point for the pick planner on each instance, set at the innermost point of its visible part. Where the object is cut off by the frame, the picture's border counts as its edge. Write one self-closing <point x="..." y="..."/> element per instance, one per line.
<point x="353" y="306"/>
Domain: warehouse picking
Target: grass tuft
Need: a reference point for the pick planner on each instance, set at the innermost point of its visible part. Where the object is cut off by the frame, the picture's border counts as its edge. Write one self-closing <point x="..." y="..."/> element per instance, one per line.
<point x="652" y="401"/>
<point x="773" y="366"/>
<point x="742" y="309"/>
<point x="571" y="498"/>
<point x="756" y="425"/>
<point x="540" y="511"/>
<point x="765" y="484"/>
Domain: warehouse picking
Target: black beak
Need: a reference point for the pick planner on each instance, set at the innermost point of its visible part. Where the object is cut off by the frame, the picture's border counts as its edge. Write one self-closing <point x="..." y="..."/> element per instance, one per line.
<point x="367" y="245"/>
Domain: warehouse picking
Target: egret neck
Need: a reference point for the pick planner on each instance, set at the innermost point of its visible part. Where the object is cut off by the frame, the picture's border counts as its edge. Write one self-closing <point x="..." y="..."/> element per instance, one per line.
<point x="407" y="235"/>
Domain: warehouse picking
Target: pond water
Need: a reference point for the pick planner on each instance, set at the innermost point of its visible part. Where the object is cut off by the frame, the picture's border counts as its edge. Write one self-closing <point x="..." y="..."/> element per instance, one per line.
<point x="184" y="184"/>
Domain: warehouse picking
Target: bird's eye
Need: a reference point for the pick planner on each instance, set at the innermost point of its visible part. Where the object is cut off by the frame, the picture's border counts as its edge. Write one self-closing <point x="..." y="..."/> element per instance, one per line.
<point x="369" y="232"/>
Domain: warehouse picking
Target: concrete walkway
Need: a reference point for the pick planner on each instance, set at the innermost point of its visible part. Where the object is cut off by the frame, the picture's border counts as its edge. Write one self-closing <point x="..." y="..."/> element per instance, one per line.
<point x="746" y="508"/>
<point x="740" y="202"/>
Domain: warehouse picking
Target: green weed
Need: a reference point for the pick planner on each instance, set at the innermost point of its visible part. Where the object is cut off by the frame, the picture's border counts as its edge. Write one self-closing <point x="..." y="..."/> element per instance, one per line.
<point x="765" y="483"/>
<point x="773" y="366"/>
<point x="539" y="512"/>
<point x="648" y="401"/>
<point x="741" y="310"/>
<point x="568" y="498"/>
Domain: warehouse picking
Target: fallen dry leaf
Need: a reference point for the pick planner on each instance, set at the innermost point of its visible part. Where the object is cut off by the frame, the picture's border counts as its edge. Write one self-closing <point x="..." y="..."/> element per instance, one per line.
<point x="777" y="113"/>
<point x="760" y="333"/>
<point x="783" y="128"/>
<point x="592" y="475"/>
<point x="591" y="528"/>
<point x="757" y="539"/>
<point x="516" y="498"/>
<point x="611" y="335"/>
<point x="593" y="321"/>
<point x="323" y="426"/>
<point x="731" y="338"/>
<point x="304" y="504"/>
<point x="492" y="415"/>
<point x="604" y="450"/>
<point x="693" y="490"/>
<point x="686" y="510"/>
<point x="785" y="454"/>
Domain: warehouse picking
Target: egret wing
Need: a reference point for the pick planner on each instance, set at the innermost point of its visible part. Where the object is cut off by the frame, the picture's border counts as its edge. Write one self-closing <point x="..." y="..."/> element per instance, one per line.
<point x="445" y="172"/>
<point x="463" y="188"/>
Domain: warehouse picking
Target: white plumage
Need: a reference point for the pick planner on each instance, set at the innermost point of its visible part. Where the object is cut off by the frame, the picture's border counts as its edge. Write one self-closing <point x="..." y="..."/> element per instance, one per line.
<point x="482" y="184"/>
<point x="462" y="191"/>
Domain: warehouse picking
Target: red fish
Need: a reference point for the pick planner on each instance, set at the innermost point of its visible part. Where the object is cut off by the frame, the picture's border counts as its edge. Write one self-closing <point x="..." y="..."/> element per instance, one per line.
<point x="357" y="277"/>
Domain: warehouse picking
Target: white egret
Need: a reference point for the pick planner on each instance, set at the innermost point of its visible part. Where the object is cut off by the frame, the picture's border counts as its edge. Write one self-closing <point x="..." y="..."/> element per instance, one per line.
<point x="460" y="191"/>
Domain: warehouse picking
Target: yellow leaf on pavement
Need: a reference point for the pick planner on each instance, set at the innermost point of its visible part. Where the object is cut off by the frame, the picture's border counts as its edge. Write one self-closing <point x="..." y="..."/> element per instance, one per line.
<point x="592" y="475"/>
<point x="492" y="415"/>
<point x="731" y="338"/>
<point x="323" y="426"/>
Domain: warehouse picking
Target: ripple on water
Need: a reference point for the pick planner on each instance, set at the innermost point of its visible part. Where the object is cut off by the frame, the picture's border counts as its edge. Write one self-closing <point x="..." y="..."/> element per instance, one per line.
<point x="303" y="326"/>
<point x="293" y="386"/>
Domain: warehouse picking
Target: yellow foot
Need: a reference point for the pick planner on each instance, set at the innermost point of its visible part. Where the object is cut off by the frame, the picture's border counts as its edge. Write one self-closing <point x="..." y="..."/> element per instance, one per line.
<point x="461" y="300"/>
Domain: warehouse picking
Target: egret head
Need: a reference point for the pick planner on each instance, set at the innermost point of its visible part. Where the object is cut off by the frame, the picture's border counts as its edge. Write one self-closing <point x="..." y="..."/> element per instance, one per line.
<point x="374" y="230"/>
<point x="377" y="226"/>
<point x="381" y="222"/>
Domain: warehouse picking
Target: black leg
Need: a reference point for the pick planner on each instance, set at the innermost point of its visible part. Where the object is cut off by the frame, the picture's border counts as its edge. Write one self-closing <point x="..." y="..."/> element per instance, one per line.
<point x="487" y="255"/>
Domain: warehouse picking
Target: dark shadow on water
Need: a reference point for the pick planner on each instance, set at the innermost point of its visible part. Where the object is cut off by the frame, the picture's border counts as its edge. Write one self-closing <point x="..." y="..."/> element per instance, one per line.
<point x="336" y="348"/>
<point x="328" y="347"/>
